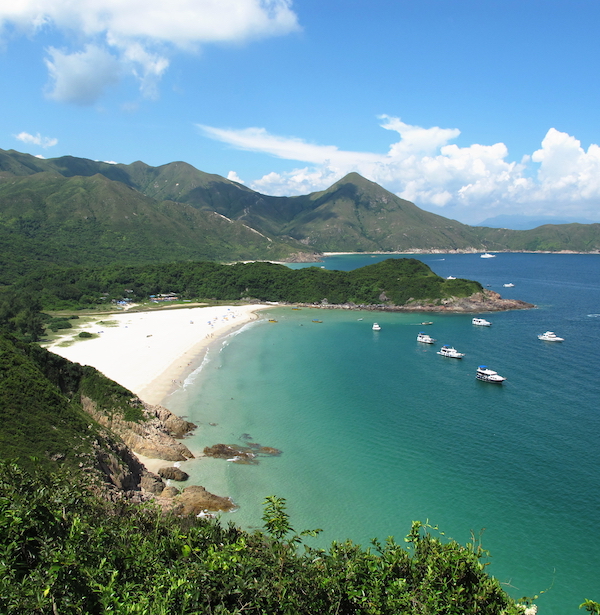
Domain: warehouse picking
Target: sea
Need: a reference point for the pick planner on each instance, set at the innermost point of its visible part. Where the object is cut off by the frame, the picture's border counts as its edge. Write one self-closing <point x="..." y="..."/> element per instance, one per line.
<point x="376" y="429"/>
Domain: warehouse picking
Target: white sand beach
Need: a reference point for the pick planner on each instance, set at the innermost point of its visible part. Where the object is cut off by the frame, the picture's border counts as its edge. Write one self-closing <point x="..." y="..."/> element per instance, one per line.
<point x="152" y="352"/>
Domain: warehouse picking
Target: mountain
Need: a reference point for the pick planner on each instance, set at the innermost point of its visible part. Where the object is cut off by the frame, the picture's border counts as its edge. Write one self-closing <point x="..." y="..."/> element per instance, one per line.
<point x="70" y="211"/>
<point x="525" y="223"/>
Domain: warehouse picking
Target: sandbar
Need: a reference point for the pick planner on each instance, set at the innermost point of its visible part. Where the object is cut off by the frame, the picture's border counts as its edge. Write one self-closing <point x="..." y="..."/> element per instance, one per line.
<point x="151" y="352"/>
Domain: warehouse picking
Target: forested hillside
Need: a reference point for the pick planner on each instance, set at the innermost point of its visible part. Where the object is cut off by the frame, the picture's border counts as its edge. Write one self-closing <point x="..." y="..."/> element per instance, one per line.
<point x="73" y="211"/>
<point x="390" y="282"/>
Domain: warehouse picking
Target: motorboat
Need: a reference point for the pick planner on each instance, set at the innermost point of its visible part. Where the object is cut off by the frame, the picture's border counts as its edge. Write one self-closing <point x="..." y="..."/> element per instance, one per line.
<point x="450" y="277"/>
<point x="376" y="327"/>
<point x="450" y="352"/>
<point x="481" y="322"/>
<point x="427" y="322"/>
<point x="509" y="285"/>
<point x="425" y="339"/>
<point x="550" y="336"/>
<point x="489" y="375"/>
<point x="488" y="255"/>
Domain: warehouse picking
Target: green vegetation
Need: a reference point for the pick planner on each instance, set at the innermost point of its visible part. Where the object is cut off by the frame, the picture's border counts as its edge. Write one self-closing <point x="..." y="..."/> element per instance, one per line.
<point x="392" y="282"/>
<point x="62" y="550"/>
<point x="75" y="212"/>
<point x="41" y="413"/>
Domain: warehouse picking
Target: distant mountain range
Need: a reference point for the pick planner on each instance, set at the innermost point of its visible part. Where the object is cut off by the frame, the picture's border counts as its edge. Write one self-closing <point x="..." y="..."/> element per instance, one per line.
<point x="523" y="223"/>
<point x="74" y="211"/>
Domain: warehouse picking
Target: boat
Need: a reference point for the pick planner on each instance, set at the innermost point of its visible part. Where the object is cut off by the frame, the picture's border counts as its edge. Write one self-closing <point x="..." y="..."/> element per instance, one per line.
<point x="315" y="320"/>
<point x="272" y="320"/>
<point x="427" y="322"/>
<point x="488" y="255"/>
<point x="450" y="352"/>
<point x="550" y="336"/>
<point x="509" y="285"/>
<point x="481" y="322"/>
<point x="488" y="375"/>
<point x="376" y="327"/>
<point x="425" y="339"/>
<point x="450" y="277"/>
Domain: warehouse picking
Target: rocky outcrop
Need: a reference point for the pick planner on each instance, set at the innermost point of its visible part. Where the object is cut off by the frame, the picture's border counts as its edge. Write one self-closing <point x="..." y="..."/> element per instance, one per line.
<point x="484" y="301"/>
<point x="240" y="454"/>
<point x="173" y="473"/>
<point x="196" y="500"/>
<point x="152" y="437"/>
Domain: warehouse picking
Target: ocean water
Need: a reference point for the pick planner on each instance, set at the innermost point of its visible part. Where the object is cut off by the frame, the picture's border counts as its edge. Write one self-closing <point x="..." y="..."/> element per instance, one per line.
<point x="377" y="430"/>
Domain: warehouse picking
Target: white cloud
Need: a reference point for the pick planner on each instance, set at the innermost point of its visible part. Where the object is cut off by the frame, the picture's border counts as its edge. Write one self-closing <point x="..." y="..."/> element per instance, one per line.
<point x="234" y="177"/>
<point x="37" y="139"/>
<point x="141" y="34"/>
<point x="81" y="77"/>
<point x="468" y="183"/>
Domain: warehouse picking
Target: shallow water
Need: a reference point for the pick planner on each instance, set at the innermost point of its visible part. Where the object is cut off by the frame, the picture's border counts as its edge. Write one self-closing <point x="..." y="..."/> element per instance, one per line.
<point x="377" y="430"/>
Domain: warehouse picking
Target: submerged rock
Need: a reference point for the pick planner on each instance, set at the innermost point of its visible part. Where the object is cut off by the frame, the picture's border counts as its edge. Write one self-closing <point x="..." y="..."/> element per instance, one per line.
<point x="240" y="454"/>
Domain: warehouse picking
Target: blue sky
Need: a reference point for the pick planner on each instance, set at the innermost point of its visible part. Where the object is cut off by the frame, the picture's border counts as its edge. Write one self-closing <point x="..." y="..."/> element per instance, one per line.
<point x="470" y="109"/>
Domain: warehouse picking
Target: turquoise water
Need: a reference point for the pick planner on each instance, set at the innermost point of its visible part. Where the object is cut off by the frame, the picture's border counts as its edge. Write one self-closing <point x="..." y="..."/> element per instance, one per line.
<point x="378" y="430"/>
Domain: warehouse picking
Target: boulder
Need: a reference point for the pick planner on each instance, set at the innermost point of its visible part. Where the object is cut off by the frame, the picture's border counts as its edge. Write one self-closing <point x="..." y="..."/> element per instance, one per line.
<point x="173" y="473"/>
<point x="196" y="500"/>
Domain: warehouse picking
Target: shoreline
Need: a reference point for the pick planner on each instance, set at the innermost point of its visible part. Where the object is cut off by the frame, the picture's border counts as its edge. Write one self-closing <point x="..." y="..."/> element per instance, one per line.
<point x="152" y="352"/>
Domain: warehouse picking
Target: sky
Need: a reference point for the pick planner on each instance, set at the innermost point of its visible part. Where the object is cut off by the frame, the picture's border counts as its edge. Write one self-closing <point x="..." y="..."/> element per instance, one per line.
<point x="470" y="109"/>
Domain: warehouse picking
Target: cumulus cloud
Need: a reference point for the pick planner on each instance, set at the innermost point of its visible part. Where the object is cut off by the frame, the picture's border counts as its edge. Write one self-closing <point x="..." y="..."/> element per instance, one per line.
<point x="139" y="35"/>
<point x="234" y="177"/>
<point x="468" y="183"/>
<point x="81" y="77"/>
<point x="36" y="139"/>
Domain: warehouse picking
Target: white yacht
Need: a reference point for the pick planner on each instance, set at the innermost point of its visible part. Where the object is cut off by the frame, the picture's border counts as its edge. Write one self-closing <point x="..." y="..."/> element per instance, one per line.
<point x="481" y="322"/>
<point x="488" y="375"/>
<point x="488" y="255"/>
<point x="450" y="352"/>
<point x="550" y="336"/>
<point x="376" y="327"/>
<point x="425" y="339"/>
<point x="450" y="277"/>
<point x="509" y="285"/>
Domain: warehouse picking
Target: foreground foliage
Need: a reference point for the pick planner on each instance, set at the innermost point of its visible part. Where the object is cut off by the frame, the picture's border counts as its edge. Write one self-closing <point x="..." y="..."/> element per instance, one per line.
<point x="64" y="551"/>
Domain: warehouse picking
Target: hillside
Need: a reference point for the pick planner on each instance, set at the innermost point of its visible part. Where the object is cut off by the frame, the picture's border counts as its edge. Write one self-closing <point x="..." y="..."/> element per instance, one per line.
<point x="73" y="211"/>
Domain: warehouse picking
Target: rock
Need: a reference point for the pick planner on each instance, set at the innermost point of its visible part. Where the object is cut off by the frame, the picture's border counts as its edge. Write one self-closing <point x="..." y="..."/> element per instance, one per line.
<point x="173" y="473"/>
<point x="152" y="483"/>
<point x="195" y="500"/>
<point x="269" y="450"/>
<point x="152" y="437"/>
<point x="237" y="454"/>
<point x="169" y="492"/>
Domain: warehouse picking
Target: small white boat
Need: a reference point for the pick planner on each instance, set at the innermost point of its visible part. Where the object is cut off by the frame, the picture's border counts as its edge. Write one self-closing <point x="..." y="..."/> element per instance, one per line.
<point x="481" y="322"/>
<point x="376" y="327"/>
<point x="488" y="255"/>
<point x="450" y="352"/>
<point x="509" y="285"/>
<point x="550" y="336"/>
<point x="488" y="375"/>
<point x="427" y="322"/>
<point x="425" y="339"/>
<point x="450" y="277"/>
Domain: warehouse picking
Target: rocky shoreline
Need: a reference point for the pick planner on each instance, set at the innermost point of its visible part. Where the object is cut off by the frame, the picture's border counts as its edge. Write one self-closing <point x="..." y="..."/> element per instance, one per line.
<point x="157" y="436"/>
<point x="484" y="301"/>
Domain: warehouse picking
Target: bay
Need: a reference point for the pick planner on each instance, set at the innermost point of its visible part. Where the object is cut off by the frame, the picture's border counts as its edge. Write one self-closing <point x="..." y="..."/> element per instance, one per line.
<point x="377" y="430"/>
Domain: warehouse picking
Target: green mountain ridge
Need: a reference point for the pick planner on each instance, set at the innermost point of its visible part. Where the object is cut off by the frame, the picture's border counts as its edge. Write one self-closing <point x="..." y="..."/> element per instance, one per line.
<point x="70" y="211"/>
